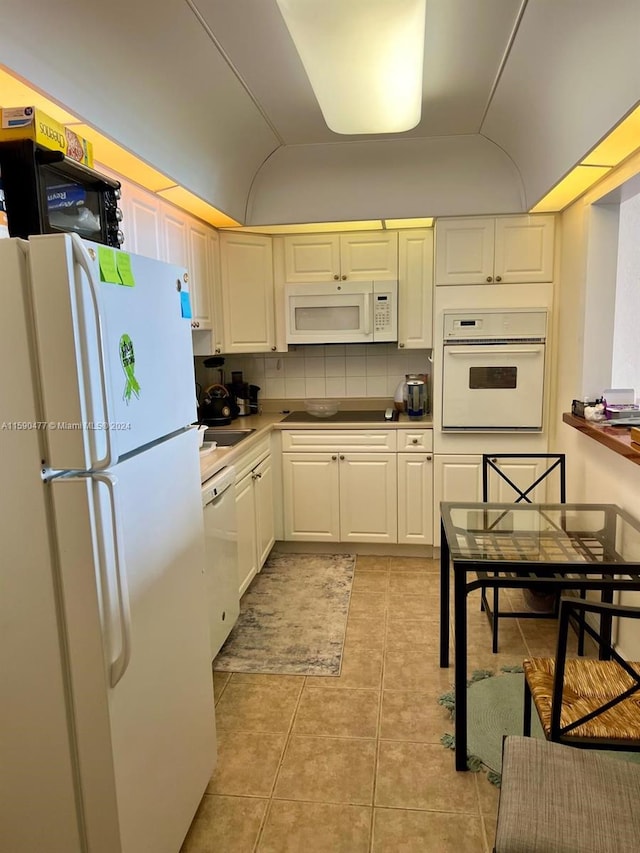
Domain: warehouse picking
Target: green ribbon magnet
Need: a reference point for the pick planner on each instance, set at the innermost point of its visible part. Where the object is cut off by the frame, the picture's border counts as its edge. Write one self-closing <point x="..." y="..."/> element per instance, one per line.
<point x="128" y="362"/>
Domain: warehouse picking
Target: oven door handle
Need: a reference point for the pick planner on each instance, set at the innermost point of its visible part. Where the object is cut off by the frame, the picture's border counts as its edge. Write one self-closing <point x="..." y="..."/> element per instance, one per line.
<point x="497" y="349"/>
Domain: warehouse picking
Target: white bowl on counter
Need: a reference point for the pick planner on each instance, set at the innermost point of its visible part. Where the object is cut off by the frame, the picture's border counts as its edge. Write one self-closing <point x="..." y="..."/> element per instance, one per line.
<point x="322" y="408"/>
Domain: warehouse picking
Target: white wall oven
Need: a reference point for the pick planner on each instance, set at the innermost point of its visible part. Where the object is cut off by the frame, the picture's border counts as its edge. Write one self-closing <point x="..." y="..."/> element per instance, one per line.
<point x="493" y="367"/>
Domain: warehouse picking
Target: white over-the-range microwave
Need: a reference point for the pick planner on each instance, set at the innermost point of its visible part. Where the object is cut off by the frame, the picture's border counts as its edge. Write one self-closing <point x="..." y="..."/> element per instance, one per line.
<point x="342" y="312"/>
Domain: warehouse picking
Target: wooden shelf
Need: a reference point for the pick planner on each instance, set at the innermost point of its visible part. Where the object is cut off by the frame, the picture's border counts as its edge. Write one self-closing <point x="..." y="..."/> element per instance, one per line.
<point x="617" y="439"/>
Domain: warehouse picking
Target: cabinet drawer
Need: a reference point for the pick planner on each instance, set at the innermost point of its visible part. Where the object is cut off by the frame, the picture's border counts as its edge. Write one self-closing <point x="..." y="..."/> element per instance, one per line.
<point x="353" y="440"/>
<point x="417" y="440"/>
<point x="249" y="460"/>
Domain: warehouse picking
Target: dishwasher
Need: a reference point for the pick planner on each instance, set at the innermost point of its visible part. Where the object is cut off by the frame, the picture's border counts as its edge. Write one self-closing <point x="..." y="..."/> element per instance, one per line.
<point x="221" y="556"/>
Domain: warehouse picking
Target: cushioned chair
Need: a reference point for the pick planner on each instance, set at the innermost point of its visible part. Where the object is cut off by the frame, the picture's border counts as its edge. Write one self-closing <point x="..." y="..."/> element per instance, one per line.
<point x="496" y="480"/>
<point x="554" y="799"/>
<point x="584" y="702"/>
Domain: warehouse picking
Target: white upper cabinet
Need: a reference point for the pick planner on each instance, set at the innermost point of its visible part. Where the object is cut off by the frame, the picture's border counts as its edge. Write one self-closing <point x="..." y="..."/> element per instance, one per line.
<point x="176" y="237"/>
<point x="246" y="277"/>
<point x="415" y="289"/>
<point x="484" y="250"/>
<point x="311" y="257"/>
<point x="141" y="222"/>
<point x="200" y="275"/>
<point x="156" y="229"/>
<point x="187" y="244"/>
<point x="355" y="256"/>
<point x="524" y="248"/>
<point x="369" y="256"/>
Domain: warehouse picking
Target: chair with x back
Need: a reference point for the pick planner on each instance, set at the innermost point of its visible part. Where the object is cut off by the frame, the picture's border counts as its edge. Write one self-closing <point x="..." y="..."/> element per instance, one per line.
<point x="514" y="478"/>
<point x="585" y="702"/>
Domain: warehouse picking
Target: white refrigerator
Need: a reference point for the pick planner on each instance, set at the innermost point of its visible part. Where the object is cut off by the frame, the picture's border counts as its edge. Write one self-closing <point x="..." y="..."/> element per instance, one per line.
<point x="107" y="729"/>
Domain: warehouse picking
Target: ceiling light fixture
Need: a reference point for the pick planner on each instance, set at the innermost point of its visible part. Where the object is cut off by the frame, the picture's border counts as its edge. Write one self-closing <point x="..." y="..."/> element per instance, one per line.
<point x="363" y="58"/>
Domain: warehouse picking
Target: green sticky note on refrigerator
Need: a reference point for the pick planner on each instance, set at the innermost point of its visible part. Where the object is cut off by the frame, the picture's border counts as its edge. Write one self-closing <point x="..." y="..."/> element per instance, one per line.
<point x="123" y="262"/>
<point x="108" y="266"/>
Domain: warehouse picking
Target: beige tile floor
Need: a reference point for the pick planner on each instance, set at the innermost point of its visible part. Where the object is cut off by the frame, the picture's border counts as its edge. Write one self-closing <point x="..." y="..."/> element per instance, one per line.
<point x="354" y="764"/>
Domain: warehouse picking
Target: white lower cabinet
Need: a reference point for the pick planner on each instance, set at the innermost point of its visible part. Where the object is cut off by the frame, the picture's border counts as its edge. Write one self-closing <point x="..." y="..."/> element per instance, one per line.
<point x="311" y="491"/>
<point x="340" y="497"/>
<point x="368" y="497"/>
<point x="456" y="477"/>
<point x="415" y="498"/>
<point x="351" y="486"/>
<point x="522" y="473"/>
<point x="265" y="523"/>
<point x="254" y="509"/>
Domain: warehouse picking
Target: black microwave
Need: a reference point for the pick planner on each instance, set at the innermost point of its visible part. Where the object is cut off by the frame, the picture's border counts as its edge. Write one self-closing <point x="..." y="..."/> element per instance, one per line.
<point x="44" y="192"/>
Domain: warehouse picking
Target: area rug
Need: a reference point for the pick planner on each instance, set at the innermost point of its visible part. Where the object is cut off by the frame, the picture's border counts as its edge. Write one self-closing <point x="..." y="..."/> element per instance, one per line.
<point x="293" y="617"/>
<point x="495" y="707"/>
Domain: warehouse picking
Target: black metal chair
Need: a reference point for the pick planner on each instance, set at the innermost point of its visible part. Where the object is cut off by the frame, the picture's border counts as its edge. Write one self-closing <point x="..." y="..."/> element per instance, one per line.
<point x="493" y="474"/>
<point x="585" y="702"/>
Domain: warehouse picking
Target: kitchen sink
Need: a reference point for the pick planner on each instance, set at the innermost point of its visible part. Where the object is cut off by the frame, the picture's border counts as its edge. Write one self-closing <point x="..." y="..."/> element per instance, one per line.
<point x="227" y="437"/>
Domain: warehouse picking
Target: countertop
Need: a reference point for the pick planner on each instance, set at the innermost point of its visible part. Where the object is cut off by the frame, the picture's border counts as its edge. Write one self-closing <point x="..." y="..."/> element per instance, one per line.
<point x="617" y="439"/>
<point x="215" y="460"/>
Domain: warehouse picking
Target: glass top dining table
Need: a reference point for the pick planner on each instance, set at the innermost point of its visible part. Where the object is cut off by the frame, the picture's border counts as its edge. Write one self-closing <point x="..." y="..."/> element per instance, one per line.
<point x="571" y="546"/>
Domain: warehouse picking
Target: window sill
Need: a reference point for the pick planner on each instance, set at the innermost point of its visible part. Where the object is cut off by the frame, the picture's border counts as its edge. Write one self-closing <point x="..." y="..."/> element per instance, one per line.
<point x="617" y="439"/>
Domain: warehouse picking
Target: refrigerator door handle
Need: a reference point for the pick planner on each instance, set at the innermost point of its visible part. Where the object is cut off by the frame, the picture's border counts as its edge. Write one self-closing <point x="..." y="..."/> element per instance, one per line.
<point x="81" y="259"/>
<point x="118" y="665"/>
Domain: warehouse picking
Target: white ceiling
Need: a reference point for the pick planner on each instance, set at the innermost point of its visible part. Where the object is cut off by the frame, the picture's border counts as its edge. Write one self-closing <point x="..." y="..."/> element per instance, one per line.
<point x="213" y="94"/>
<point x="464" y="46"/>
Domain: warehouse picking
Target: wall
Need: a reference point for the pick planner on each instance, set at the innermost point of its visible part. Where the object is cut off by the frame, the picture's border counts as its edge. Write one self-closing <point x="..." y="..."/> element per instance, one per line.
<point x="626" y="364"/>
<point x="348" y="370"/>
<point x="594" y="472"/>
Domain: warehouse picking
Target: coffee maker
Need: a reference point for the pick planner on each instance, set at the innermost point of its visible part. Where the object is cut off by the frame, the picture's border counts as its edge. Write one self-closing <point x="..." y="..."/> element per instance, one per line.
<point x="244" y="395"/>
<point x="416" y="391"/>
<point x="254" y="407"/>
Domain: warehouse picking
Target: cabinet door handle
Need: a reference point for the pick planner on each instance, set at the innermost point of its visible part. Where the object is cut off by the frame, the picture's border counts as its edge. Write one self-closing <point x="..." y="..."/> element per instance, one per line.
<point x="218" y="350"/>
<point x="341" y="456"/>
<point x="334" y="458"/>
<point x="400" y="346"/>
<point x="343" y="277"/>
<point x="273" y="349"/>
<point x="414" y="441"/>
<point x="336" y="277"/>
<point x="429" y="458"/>
<point x="489" y="278"/>
<point x="498" y="278"/>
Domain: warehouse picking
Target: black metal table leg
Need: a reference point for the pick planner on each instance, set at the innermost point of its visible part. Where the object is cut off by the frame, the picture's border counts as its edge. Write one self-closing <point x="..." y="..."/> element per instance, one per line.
<point x="606" y="627"/>
<point x="444" y="598"/>
<point x="460" y="629"/>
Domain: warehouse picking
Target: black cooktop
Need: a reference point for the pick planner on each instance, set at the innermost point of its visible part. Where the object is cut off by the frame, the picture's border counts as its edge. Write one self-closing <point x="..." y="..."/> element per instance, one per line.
<point x="360" y="417"/>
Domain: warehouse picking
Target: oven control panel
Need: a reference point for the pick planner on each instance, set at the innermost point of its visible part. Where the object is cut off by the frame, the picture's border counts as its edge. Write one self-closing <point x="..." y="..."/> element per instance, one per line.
<point x="495" y="324"/>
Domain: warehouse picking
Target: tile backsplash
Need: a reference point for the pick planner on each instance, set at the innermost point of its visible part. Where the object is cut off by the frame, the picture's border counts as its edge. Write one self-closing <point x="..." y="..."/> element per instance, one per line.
<point x="335" y="370"/>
